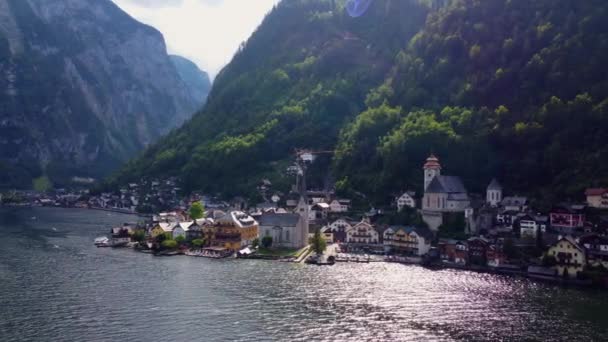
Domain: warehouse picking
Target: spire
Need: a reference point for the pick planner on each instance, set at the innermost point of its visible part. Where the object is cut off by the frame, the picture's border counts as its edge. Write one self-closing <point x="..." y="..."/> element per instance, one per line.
<point x="494" y="185"/>
<point x="432" y="162"/>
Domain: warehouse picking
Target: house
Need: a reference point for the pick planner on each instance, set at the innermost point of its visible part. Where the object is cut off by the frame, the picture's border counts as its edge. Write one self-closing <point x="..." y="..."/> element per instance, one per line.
<point x="195" y="231"/>
<point x="566" y="218"/>
<point x="362" y="233"/>
<point x="327" y="234"/>
<point x="339" y="228"/>
<point x="319" y="211"/>
<point x="597" y="197"/>
<point x="286" y="230"/>
<point x="569" y="257"/>
<point x="407" y="240"/>
<point x="180" y="229"/>
<point x="233" y="231"/>
<point x="442" y="193"/>
<point x="494" y="193"/>
<point x="160" y="229"/>
<point x="596" y="249"/>
<point x="514" y="203"/>
<point x="477" y="251"/>
<point x="506" y="218"/>
<point x="529" y="228"/>
<point x="339" y="206"/>
<point x="495" y="256"/>
<point x="453" y="251"/>
<point x="406" y="200"/>
<point x="121" y="235"/>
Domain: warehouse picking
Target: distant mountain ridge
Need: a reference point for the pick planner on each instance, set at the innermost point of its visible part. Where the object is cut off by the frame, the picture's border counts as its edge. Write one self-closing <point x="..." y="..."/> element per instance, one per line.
<point x="83" y="87"/>
<point x="197" y="80"/>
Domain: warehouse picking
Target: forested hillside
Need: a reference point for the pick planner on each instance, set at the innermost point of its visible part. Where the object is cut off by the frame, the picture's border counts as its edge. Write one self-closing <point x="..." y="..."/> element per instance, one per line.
<point x="509" y="88"/>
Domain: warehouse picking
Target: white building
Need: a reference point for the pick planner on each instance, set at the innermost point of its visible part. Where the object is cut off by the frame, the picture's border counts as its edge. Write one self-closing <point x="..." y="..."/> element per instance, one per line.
<point x="339" y="206"/>
<point x="286" y="230"/>
<point x="362" y="233"/>
<point x="530" y="227"/>
<point x="406" y="200"/>
<point x="515" y="203"/>
<point x="494" y="193"/>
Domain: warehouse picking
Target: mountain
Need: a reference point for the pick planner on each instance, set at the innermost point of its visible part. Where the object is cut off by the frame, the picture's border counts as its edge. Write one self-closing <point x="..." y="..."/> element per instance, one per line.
<point x="83" y="86"/>
<point x="497" y="88"/>
<point x="197" y="80"/>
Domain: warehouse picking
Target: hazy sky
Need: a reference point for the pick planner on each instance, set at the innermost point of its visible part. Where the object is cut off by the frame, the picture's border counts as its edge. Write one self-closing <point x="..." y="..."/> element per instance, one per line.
<point x="208" y="32"/>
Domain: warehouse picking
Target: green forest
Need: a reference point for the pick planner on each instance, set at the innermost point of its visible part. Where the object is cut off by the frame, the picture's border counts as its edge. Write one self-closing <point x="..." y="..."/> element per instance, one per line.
<point x="513" y="89"/>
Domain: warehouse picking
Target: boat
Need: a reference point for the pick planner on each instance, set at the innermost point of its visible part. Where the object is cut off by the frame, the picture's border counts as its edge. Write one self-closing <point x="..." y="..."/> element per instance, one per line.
<point x="102" y="242"/>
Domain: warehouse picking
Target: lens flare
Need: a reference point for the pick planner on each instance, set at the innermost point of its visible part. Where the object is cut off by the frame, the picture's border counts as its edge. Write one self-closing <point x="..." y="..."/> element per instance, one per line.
<point x="357" y="8"/>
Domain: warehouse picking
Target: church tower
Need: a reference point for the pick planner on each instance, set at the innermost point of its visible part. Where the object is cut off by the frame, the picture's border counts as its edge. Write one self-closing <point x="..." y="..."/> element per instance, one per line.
<point x="302" y="208"/>
<point x="431" y="168"/>
<point x="494" y="193"/>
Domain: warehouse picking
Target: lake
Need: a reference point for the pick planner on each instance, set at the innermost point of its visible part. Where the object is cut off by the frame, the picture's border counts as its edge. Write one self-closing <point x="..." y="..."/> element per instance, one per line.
<point x="56" y="286"/>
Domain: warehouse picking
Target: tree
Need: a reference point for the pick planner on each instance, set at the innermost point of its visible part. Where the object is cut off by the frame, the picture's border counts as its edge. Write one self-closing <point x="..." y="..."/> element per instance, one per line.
<point x="318" y="242"/>
<point x="197" y="211"/>
<point x="169" y="244"/>
<point x="138" y="235"/>
<point x="198" y="243"/>
<point x="510" y="249"/>
<point x="42" y="184"/>
<point x="180" y="239"/>
<point x="267" y="242"/>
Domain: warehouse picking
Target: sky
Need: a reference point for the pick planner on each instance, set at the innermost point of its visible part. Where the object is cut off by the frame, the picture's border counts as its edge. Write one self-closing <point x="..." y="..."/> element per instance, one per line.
<point x="208" y="32"/>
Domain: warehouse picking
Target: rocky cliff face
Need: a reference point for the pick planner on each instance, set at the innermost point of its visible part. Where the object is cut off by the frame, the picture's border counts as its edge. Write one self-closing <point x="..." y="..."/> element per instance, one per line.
<point x="197" y="80"/>
<point x="83" y="87"/>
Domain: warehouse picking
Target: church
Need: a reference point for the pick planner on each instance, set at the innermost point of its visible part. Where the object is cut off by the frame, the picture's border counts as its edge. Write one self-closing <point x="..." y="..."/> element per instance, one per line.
<point x="442" y="193"/>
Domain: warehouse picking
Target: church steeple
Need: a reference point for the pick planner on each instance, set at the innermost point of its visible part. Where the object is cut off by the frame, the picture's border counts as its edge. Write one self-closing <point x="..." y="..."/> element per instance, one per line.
<point x="432" y="168"/>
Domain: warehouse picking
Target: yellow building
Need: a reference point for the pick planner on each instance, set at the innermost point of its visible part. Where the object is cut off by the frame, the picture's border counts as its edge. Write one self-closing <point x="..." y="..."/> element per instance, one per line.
<point x="160" y="228"/>
<point x="569" y="256"/>
<point x="233" y="231"/>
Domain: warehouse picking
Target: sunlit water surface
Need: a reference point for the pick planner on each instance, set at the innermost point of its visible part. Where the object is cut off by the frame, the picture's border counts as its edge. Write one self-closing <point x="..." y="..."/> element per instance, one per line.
<point x="56" y="286"/>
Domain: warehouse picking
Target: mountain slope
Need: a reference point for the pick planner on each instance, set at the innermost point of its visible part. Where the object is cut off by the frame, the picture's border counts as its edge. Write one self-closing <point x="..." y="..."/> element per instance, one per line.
<point x="197" y="80"/>
<point x="487" y="85"/>
<point x="83" y="88"/>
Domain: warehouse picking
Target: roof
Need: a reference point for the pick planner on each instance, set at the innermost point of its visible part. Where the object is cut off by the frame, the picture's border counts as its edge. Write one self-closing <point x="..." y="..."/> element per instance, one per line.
<point x="595" y="191"/>
<point x="446" y="184"/>
<point x="167" y="227"/>
<point x="432" y="162"/>
<point x="458" y="197"/>
<point x="494" y="185"/>
<point x="420" y="231"/>
<point x="238" y="219"/>
<point x="571" y="241"/>
<point x="514" y="200"/>
<point x="186" y="225"/>
<point x="283" y="220"/>
<point x="321" y="205"/>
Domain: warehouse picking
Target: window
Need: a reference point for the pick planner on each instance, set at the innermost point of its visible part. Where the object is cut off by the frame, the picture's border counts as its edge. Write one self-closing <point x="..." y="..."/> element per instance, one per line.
<point x="287" y="235"/>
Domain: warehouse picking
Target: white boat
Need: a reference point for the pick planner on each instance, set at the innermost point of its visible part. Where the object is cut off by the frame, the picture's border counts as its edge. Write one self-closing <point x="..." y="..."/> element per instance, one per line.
<point x="102" y="242"/>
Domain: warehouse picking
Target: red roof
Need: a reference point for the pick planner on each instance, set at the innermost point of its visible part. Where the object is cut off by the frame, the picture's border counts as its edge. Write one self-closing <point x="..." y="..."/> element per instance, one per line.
<point x="595" y="191"/>
<point x="432" y="162"/>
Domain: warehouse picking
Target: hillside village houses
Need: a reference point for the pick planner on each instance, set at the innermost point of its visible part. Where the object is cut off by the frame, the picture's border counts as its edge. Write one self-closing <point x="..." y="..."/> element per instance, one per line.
<point x="597" y="198"/>
<point x="406" y="200"/>
<point x="409" y="241"/>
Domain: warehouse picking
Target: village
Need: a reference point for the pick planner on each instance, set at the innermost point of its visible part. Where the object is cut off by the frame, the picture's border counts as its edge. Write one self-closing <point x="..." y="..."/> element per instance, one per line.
<point x="444" y="227"/>
<point x="450" y="229"/>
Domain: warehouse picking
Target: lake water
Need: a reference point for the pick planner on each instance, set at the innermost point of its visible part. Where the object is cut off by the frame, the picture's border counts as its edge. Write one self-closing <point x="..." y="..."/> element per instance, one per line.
<point x="56" y="286"/>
